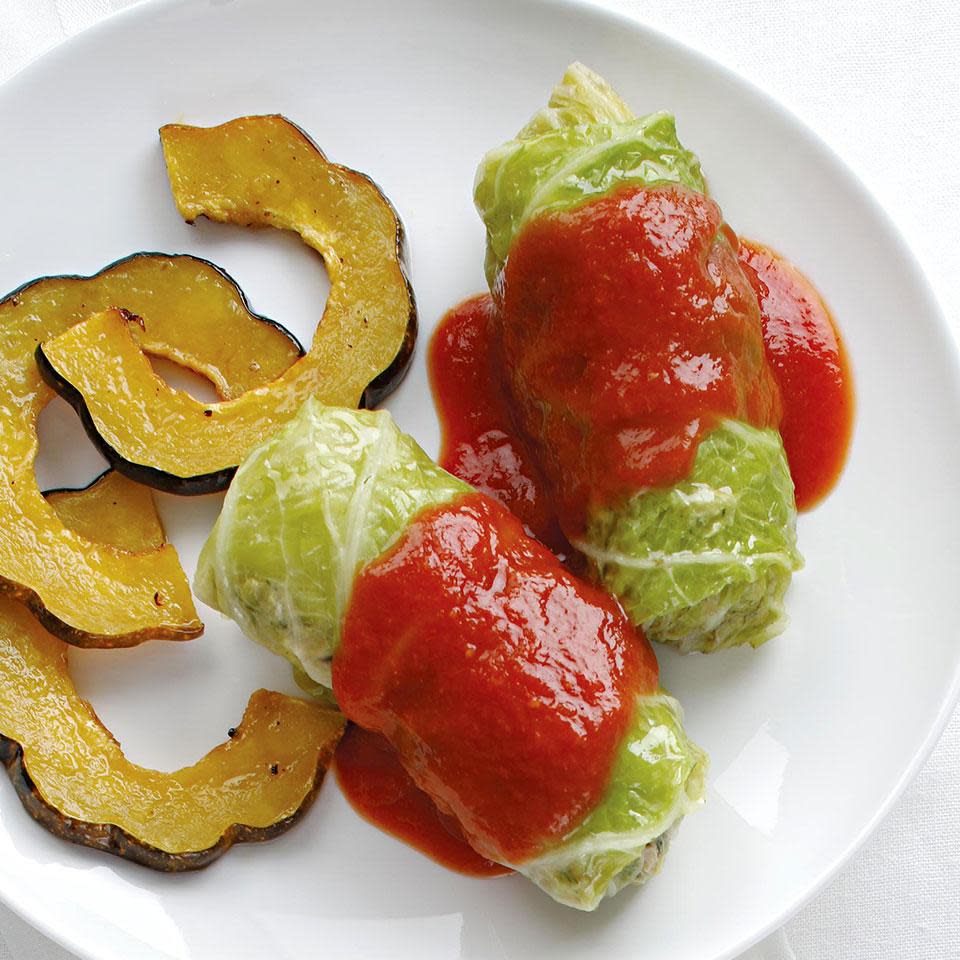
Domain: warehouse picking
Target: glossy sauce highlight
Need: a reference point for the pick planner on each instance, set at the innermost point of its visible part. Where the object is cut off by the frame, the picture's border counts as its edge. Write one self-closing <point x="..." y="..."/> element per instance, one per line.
<point x="803" y="348"/>
<point x="480" y="444"/>
<point x="628" y="331"/>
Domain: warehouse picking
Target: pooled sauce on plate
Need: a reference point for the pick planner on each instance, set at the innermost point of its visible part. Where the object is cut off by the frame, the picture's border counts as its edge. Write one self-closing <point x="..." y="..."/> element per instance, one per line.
<point x="479" y="441"/>
<point x="811" y="368"/>
<point x="505" y="684"/>
<point x="380" y="790"/>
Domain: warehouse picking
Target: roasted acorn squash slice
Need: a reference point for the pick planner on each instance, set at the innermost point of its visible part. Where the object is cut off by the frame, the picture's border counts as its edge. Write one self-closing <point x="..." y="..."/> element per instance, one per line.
<point x="71" y="774"/>
<point x="255" y="171"/>
<point x="86" y="593"/>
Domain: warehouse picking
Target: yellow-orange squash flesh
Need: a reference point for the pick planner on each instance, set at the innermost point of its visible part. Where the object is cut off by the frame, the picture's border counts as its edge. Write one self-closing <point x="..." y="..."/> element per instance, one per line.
<point x="72" y="776"/>
<point x="93" y="594"/>
<point x="111" y="510"/>
<point x="255" y="171"/>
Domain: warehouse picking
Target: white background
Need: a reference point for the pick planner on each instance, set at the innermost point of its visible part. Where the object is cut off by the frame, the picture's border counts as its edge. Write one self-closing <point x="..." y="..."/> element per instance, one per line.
<point x="880" y="82"/>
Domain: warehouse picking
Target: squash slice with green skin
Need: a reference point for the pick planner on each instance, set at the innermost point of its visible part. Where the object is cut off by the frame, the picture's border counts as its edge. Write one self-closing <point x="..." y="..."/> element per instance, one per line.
<point x="254" y="171"/>
<point x="71" y="774"/>
<point x="94" y="594"/>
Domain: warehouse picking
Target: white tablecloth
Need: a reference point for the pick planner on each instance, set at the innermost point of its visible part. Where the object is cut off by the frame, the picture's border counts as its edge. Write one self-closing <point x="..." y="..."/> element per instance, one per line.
<point x="880" y="81"/>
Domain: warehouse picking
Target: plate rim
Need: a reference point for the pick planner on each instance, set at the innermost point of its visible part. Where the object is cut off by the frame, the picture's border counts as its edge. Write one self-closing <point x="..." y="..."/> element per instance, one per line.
<point x="30" y="909"/>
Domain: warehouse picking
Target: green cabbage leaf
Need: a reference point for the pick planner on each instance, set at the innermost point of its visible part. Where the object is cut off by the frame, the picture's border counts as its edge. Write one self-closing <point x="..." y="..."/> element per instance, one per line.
<point x="324" y="497"/>
<point x="704" y="564"/>
<point x="658" y="778"/>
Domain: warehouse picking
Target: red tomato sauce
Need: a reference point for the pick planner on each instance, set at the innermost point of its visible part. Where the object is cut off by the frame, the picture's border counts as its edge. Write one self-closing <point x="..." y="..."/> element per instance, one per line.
<point x="803" y="349"/>
<point x="505" y="684"/>
<point x="380" y="790"/>
<point x="629" y="330"/>
<point x="479" y="440"/>
<point x="483" y="445"/>
<point x="811" y="369"/>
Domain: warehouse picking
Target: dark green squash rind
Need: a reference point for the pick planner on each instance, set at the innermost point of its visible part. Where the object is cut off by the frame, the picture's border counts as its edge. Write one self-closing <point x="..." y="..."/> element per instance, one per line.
<point x="24" y="593"/>
<point x="148" y="476"/>
<point x="84" y="638"/>
<point x="109" y="838"/>
<point x="59" y="491"/>
<point x="208" y="483"/>
<point x="382" y="385"/>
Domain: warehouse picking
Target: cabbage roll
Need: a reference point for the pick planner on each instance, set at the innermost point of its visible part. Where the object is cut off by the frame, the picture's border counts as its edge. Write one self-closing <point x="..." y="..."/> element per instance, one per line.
<point x="518" y="697"/>
<point x="632" y="354"/>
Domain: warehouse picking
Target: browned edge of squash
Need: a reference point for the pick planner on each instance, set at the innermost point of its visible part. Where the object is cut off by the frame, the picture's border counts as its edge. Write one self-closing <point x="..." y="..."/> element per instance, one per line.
<point x="83" y="638"/>
<point x="25" y="594"/>
<point x="158" y="479"/>
<point x="382" y="385"/>
<point x="373" y="394"/>
<point x="112" y="839"/>
<point x="379" y="388"/>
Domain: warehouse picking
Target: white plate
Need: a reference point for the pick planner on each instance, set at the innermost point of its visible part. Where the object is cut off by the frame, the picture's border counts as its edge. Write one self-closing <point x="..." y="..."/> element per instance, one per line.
<point x="811" y="737"/>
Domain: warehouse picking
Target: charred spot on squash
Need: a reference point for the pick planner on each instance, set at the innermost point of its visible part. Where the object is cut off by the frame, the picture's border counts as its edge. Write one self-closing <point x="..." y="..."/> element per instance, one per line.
<point x="254" y="171"/>
<point x="71" y="774"/>
<point x="87" y="593"/>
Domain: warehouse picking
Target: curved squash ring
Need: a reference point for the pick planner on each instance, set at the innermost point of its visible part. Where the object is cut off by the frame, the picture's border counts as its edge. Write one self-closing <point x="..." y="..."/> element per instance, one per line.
<point x="91" y="594"/>
<point x="71" y="775"/>
<point x="191" y="311"/>
<point x="254" y="171"/>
